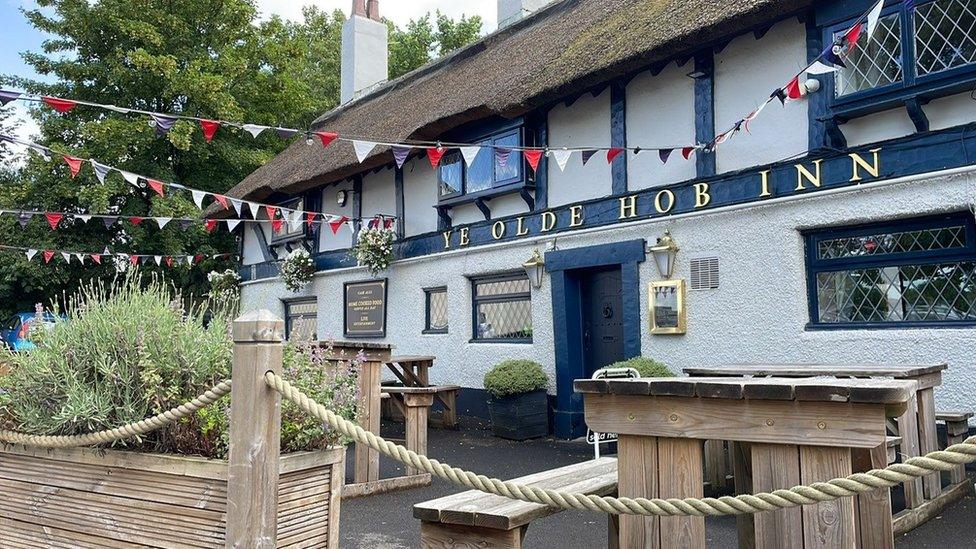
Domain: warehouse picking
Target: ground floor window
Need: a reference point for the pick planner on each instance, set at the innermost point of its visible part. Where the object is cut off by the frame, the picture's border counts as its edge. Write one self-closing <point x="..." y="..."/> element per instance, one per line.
<point x="301" y="318"/>
<point x="915" y="272"/>
<point x="435" y="305"/>
<point x="502" y="308"/>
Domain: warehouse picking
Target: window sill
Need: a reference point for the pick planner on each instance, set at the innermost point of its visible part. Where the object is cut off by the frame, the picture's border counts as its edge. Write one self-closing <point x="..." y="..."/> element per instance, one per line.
<point x="486" y="194"/>
<point x="958" y="324"/>
<point x="932" y="87"/>
<point x="434" y="332"/>
<point x="501" y="340"/>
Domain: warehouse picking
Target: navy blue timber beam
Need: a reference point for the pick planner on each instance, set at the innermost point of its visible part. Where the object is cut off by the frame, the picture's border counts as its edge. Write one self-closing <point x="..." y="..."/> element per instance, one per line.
<point x="398" y="189"/>
<point x="618" y="136"/>
<point x="357" y="206"/>
<point x="567" y="319"/>
<point x="540" y="126"/>
<point x="704" y="111"/>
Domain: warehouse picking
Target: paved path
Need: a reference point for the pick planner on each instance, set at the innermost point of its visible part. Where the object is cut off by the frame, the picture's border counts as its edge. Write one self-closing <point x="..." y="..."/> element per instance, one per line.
<point x="386" y="521"/>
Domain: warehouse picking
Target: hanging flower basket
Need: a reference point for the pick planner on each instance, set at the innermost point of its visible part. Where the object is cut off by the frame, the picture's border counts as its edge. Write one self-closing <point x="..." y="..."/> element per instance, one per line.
<point x="297" y="270"/>
<point x="374" y="249"/>
<point x="224" y="286"/>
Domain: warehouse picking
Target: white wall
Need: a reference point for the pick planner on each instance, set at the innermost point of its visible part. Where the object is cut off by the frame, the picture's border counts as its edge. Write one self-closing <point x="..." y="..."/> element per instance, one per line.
<point x="660" y="113"/>
<point x="745" y="72"/>
<point x="252" y="247"/>
<point x="379" y="194"/>
<point x="758" y="314"/>
<point x="419" y="197"/>
<point x="342" y="238"/>
<point x="877" y="127"/>
<point x="587" y="122"/>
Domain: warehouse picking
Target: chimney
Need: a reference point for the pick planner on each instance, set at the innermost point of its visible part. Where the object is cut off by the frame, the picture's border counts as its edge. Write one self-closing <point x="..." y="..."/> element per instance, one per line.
<point x="365" y="50"/>
<point x="510" y="11"/>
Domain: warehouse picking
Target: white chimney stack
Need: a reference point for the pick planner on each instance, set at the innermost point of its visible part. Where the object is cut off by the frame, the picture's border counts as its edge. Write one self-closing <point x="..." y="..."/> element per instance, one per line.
<point x="365" y="50"/>
<point x="510" y="11"/>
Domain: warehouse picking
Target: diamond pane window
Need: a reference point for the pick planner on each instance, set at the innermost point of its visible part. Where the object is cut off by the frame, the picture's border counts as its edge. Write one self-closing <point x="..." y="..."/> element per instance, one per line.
<point x="301" y="318"/>
<point x="913" y="272"/>
<point x="436" y="306"/>
<point x="502" y="308"/>
<point x="874" y="62"/>
<point x="945" y="35"/>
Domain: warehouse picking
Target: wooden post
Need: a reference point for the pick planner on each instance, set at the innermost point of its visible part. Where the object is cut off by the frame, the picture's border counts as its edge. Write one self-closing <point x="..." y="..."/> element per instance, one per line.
<point x="829" y="524"/>
<point x="908" y="431"/>
<point x="874" y="527"/>
<point x="776" y="467"/>
<point x="367" y="464"/>
<point x="742" y="477"/>
<point x="680" y="476"/>
<point x="928" y="439"/>
<point x="417" y="407"/>
<point x="637" y="459"/>
<point x="255" y="432"/>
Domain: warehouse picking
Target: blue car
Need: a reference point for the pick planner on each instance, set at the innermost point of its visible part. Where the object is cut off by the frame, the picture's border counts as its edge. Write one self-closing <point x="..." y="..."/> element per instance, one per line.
<point x="17" y="330"/>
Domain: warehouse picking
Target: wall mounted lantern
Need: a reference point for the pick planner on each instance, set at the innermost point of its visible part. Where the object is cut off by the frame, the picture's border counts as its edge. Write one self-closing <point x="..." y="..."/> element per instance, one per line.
<point x="665" y="252"/>
<point x="535" y="267"/>
<point x="341" y="198"/>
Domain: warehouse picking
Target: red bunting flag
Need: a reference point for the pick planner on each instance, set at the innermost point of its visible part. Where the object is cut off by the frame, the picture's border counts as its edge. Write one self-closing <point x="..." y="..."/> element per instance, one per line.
<point x="209" y="128"/>
<point x="169" y="261"/>
<point x="612" y="153"/>
<point x="97" y="258"/>
<point x="53" y="218"/>
<point x="388" y="224"/>
<point x="272" y="211"/>
<point x="134" y="259"/>
<point x="135" y="220"/>
<point x="48" y="254"/>
<point x="434" y="155"/>
<point x="326" y="137"/>
<point x="793" y="89"/>
<point x="198" y="258"/>
<point x="310" y="217"/>
<point x="337" y="224"/>
<point x="852" y="36"/>
<point x="222" y="200"/>
<point x="210" y="224"/>
<point x="276" y="225"/>
<point x="686" y="152"/>
<point x="58" y="104"/>
<point x="156" y="186"/>
<point x="532" y="157"/>
<point x="74" y="164"/>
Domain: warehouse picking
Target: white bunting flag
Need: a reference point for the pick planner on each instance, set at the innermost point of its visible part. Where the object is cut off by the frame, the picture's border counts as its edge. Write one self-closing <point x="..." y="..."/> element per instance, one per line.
<point x="159" y="260"/>
<point x="81" y="258"/>
<point x="189" y="260"/>
<point x="820" y="68"/>
<point x="198" y="198"/>
<point x="254" y="129"/>
<point x="101" y="170"/>
<point x="873" y="17"/>
<point x="562" y="157"/>
<point x="31" y="254"/>
<point x="162" y="221"/>
<point x="237" y="205"/>
<point x="67" y="257"/>
<point x="469" y="154"/>
<point x="84" y="218"/>
<point x="294" y="219"/>
<point x="122" y="110"/>
<point x="132" y="178"/>
<point x="363" y="148"/>
<point x="232" y="224"/>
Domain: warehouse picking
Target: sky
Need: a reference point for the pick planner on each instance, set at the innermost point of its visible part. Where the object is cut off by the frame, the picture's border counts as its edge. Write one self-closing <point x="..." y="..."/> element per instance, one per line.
<point x="18" y="36"/>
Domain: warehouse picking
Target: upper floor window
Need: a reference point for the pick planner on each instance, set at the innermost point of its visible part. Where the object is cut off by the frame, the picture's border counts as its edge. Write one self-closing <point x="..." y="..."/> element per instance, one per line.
<point x="919" y="272"/>
<point x="288" y="231"/>
<point x="488" y="170"/>
<point x="913" y="46"/>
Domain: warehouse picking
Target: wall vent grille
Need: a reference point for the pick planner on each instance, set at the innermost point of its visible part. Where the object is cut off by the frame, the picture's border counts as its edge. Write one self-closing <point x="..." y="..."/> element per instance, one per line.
<point x="704" y="273"/>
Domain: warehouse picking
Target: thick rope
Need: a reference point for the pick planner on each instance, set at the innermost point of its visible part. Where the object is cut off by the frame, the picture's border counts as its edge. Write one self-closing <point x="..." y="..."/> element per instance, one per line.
<point x="126" y="431"/>
<point x="857" y="483"/>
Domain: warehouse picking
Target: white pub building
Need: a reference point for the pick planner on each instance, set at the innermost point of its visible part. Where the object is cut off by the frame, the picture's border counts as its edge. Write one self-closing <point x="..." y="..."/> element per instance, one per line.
<point x="836" y="229"/>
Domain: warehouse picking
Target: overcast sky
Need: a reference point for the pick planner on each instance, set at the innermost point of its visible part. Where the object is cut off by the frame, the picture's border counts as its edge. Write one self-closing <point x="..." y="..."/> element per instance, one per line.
<point x="18" y="36"/>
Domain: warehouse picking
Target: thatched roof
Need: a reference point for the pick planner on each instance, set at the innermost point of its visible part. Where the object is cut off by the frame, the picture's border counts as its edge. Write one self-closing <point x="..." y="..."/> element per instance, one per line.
<point x="565" y="48"/>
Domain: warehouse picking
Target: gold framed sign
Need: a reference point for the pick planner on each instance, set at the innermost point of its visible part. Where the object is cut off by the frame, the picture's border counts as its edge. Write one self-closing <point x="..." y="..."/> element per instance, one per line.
<point x="666" y="301"/>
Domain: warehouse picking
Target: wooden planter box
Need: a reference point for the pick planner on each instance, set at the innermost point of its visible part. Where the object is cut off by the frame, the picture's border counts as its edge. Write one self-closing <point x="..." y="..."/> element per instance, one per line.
<point x="107" y="498"/>
<point x="520" y="417"/>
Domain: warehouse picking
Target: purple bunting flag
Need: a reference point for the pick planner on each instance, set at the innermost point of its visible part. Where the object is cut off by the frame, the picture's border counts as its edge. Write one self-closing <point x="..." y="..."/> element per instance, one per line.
<point x="286" y="133"/>
<point x="24" y="218"/>
<point x="400" y="154"/>
<point x="109" y="221"/>
<point x="501" y="156"/>
<point x="8" y="96"/>
<point x="163" y="123"/>
<point x="587" y="154"/>
<point x="664" y="154"/>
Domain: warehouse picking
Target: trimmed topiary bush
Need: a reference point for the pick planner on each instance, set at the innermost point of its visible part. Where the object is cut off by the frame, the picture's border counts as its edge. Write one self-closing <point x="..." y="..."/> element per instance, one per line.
<point x="647" y="367"/>
<point x="515" y="377"/>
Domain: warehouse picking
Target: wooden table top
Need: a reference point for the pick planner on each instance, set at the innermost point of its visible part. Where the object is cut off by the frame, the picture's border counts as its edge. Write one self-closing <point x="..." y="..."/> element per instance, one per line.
<point x="411" y="358"/>
<point x="875" y="391"/>
<point x="809" y="370"/>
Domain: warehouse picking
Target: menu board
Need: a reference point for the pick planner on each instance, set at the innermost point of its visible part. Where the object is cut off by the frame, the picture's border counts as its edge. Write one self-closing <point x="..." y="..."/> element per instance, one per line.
<point x="667" y="304"/>
<point x="365" y="309"/>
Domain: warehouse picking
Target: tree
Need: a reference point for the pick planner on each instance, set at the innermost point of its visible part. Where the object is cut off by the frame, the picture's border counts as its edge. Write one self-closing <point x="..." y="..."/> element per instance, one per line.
<point x="423" y="41"/>
<point x="204" y="58"/>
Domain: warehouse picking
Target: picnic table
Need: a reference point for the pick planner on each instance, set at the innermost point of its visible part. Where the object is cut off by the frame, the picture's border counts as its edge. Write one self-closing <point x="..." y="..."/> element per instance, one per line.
<point x="414" y="373"/>
<point x="792" y="430"/>
<point x="916" y="427"/>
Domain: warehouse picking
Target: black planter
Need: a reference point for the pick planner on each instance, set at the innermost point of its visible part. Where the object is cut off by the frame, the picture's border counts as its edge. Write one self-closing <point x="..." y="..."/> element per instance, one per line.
<point x="520" y="417"/>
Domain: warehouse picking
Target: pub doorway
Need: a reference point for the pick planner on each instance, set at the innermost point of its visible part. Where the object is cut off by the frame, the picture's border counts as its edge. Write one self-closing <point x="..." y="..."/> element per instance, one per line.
<point x="601" y="293"/>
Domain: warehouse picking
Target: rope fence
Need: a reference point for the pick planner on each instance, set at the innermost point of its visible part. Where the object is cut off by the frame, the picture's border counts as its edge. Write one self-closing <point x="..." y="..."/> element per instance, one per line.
<point x="858" y="483"/>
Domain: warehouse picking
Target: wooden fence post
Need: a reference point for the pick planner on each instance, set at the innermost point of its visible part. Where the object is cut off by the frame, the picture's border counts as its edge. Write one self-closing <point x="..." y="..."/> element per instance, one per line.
<point x="255" y="432"/>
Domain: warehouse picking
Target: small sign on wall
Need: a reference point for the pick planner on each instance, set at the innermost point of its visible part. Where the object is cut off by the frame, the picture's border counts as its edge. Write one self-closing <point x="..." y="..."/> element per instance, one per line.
<point x="364" y="314"/>
<point x="667" y="306"/>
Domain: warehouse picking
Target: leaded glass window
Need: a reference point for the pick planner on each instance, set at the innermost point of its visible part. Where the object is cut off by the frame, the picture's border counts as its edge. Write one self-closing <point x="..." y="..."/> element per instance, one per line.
<point x="301" y="319"/>
<point x="916" y="272"/>
<point x="436" y="311"/>
<point x="502" y="308"/>
<point x="486" y="171"/>
<point x="872" y="62"/>
<point x="945" y="35"/>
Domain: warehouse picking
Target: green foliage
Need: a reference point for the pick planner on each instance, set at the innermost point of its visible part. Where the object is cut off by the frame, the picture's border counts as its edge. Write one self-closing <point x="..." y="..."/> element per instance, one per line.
<point x="514" y="377"/>
<point x="647" y="367"/>
<point x="423" y="41"/>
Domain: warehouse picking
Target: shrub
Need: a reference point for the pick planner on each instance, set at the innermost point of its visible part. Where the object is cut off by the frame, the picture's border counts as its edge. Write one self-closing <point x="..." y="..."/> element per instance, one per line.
<point x="515" y="377"/>
<point x="128" y="351"/>
<point x="647" y="367"/>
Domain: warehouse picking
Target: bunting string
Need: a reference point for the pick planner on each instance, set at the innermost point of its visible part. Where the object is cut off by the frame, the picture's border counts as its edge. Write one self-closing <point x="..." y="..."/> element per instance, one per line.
<point x="47" y="255"/>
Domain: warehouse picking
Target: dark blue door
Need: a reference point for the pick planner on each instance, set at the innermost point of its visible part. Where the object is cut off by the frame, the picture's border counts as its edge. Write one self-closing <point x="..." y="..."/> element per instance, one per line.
<point x="603" y="325"/>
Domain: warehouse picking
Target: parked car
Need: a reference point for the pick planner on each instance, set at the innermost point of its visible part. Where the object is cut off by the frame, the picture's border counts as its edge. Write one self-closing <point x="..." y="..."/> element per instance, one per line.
<point x="17" y="330"/>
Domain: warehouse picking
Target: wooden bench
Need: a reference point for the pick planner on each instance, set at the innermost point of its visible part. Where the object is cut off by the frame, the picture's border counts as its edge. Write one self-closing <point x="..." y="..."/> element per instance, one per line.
<point x="476" y="519"/>
<point x="957" y="430"/>
<point x="445" y="394"/>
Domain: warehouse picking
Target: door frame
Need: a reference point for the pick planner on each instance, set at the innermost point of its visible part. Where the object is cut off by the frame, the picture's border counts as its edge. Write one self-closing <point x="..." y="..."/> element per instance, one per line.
<point x="567" y="318"/>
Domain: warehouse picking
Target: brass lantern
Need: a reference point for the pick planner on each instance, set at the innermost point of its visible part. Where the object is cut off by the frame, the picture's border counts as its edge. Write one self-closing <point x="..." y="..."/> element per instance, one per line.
<point x="665" y="252"/>
<point x="535" y="267"/>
